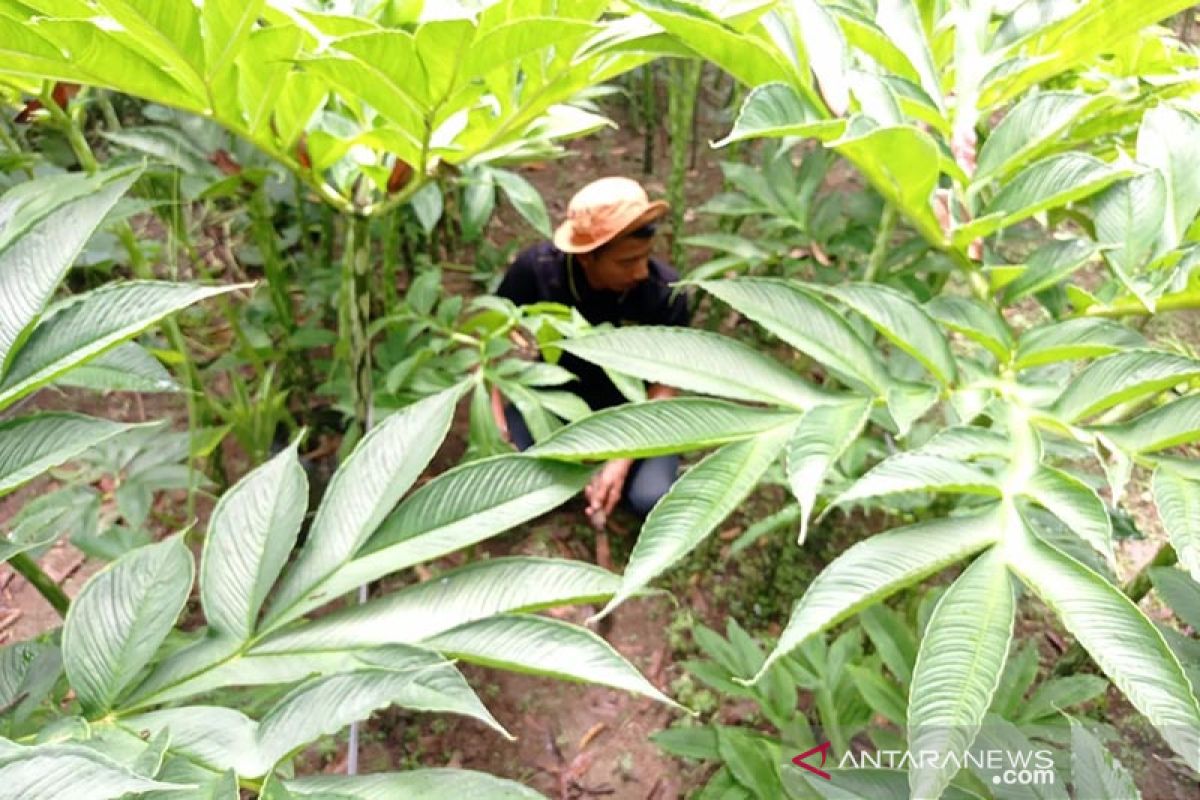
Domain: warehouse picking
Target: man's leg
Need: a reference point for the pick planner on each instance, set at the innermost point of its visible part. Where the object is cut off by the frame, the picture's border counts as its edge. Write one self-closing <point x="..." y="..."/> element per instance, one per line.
<point x="518" y="431"/>
<point x="648" y="481"/>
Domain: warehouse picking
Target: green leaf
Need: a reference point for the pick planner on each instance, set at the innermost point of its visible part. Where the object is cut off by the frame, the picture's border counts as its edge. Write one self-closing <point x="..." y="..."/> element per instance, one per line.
<point x="753" y="761"/>
<point x="365" y="488"/>
<point x="70" y="772"/>
<point x="472" y="592"/>
<point x="126" y="368"/>
<point x="699" y="743"/>
<point x="1169" y="139"/>
<point x="658" y="427"/>
<point x="32" y="444"/>
<point x="694" y="505"/>
<point x="1178" y="591"/>
<point x="697" y="361"/>
<point x="525" y="199"/>
<point x="975" y="320"/>
<point x="775" y="110"/>
<point x="84" y="326"/>
<point x="1057" y="694"/>
<point x="894" y="640"/>
<point x="28" y="672"/>
<point x="1048" y="265"/>
<point x="1074" y="339"/>
<point x="1117" y="635"/>
<point x="880" y="694"/>
<point x="876" y="567"/>
<point x="901" y="163"/>
<point x="1177" y="497"/>
<point x="827" y="52"/>
<point x="1094" y="770"/>
<point x="898" y="317"/>
<point x="543" y="646"/>
<point x="444" y="690"/>
<point x="1029" y="129"/>
<point x="898" y="19"/>
<point x="1076" y="504"/>
<point x="214" y="737"/>
<point x="427" y="204"/>
<point x="479" y="201"/>
<point x="918" y="472"/>
<point x="1049" y="183"/>
<point x="966" y="443"/>
<point x="1122" y="377"/>
<point x="225" y="26"/>
<point x="251" y="533"/>
<point x="43" y="227"/>
<point x="1170" y="425"/>
<point x="806" y="322"/>
<point x="958" y="669"/>
<point x="440" y="782"/>
<point x="1129" y="217"/>
<point x="121" y="616"/>
<point x="458" y="508"/>
<point x="819" y="440"/>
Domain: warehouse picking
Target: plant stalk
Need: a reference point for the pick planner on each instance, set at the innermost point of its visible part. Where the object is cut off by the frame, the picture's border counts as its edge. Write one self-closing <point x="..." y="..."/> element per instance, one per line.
<point x="47" y="588"/>
<point x="887" y="222"/>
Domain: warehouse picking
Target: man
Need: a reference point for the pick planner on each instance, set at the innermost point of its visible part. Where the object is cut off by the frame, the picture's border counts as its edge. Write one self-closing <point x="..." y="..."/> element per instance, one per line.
<point x="600" y="263"/>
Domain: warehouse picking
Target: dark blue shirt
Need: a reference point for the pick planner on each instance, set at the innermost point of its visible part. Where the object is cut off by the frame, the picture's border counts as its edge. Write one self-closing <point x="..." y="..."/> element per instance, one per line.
<point x="543" y="273"/>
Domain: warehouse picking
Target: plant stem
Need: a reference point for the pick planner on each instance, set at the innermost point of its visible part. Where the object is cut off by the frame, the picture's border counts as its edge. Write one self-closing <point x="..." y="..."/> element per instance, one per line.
<point x="887" y="221"/>
<point x="650" y="115"/>
<point x="354" y="313"/>
<point x="268" y="247"/>
<point x="1187" y="299"/>
<point x="48" y="589"/>
<point x="71" y="128"/>
<point x="681" y="108"/>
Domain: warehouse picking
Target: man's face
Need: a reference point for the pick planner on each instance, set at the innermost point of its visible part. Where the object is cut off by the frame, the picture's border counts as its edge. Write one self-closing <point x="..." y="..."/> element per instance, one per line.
<point x="620" y="265"/>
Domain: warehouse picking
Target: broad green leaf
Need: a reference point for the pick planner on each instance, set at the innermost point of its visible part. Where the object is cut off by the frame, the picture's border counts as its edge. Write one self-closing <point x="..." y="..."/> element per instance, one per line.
<point x="472" y="592"/>
<point x="917" y="472"/>
<point x="1074" y="339"/>
<point x="688" y="742"/>
<point x="1177" y="498"/>
<point x="380" y="470"/>
<point x="898" y="19"/>
<point x="819" y="440"/>
<point x="444" y="690"/>
<point x="126" y="368"/>
<point x="694" y="505"/>
<point x="225" y="27"/>
<point x="84" y="326"/>
<point x="479" y="201"/>
<point x="1179" y="591"/>
<point x="966" y="443"/>
<point x="214" y="737"/>
<point x="827" y="52"/>
<point x="1057" y="694"/>
<point x="876" y="567"/>
<point x="908" y="402"/>
<point x="898" y="317"/>
<point x="975" y="320"/>
<point x="1169" y="139"/>
<point x="525" y="199"/>
<point x="1117" y="635"/>
<point x="753" y="761"/>
<point x="1121" y="377"/>
<point x="697" y="361"/>
<point x="1049" y="183"/>
<point x="1088" y="30"/>
<point x="1129" y="217"/>
<point x="958" y="669"/>
<point x="740" y="56"/>
<point x="1076" y="504"/>
<point x="439" y="782"/>
<point x="1028" y="130"/>
<point x="864" y="34"/>
<point x="658" y="427"/>
<point x="774" y="110"/>
<point x="506" y="43"/>
<point x="1094" y="771"/>
<point x="461" y="507"/>
<point x="32" y="444"/>
<point x="806" y="322"/>
<point x="71" y="772"/>
<point x="879" y="693"/>
<point x="251" y="533"/>
<point x="863" y="783"/>
<point x="323" y="706"/>
<point x="28" y="671"/>
<point x="894" y="641"/>
<point x="901" y="163"/>
<point x="44" y="225"/>
<point x="120" y="618"/>
<point x="1170" y="425"/>
<point x="1048" y="265"/>
<point x="543" y="646"/>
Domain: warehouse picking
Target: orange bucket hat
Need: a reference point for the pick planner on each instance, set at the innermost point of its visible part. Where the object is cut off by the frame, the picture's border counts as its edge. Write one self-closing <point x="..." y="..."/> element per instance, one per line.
<point x="602" y="211"/>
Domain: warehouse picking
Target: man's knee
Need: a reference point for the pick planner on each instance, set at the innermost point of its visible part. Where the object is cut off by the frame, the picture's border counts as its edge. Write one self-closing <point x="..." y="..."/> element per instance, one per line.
<point x="652" y="480"/>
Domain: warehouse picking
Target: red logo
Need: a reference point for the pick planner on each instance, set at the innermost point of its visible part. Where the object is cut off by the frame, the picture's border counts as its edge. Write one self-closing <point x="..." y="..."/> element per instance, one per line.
<point x="823" y="749"/>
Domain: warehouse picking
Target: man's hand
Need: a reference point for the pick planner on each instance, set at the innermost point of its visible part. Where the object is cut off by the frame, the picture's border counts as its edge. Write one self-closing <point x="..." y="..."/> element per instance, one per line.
<point x="605" y="488"/>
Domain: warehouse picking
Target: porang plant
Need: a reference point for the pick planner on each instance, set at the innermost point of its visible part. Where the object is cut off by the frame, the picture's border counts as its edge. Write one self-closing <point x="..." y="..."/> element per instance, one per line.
<point x="138" y="722"/>
<point x="1025" y="412"/>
